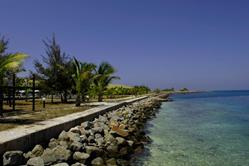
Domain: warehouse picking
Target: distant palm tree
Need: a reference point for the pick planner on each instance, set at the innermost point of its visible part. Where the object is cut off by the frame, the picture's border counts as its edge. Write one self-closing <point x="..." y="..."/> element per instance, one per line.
<point x="103" y="77"/>
<point x="83" y="75"/>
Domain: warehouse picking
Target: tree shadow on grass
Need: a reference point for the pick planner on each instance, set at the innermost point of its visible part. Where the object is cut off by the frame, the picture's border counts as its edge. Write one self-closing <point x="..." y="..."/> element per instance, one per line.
<point x="17" y="121"/>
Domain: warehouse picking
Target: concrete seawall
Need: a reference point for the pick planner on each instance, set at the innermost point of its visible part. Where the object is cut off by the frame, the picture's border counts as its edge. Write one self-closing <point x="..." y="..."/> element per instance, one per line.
<point x="26" y="136"/>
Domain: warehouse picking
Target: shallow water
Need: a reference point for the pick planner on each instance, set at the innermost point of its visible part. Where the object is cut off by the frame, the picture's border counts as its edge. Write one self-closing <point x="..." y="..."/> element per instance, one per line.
<point x="204" y="129"/>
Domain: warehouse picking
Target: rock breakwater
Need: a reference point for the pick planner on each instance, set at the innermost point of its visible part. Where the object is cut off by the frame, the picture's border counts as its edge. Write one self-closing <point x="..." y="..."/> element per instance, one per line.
<point x="109" y="139"/>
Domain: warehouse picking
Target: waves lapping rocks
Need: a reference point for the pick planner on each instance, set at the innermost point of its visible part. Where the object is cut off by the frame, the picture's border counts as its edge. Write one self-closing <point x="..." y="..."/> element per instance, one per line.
<point x="110" y="139"/>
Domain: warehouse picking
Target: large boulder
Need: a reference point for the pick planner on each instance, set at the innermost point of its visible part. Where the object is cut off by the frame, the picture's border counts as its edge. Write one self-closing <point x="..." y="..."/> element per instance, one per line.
<point x="58" y="154"/>
<point x="37" y="151"/>
<point x="36" y="161"/>
<point x="81" y="156"/>
<point x="13" y="158"/>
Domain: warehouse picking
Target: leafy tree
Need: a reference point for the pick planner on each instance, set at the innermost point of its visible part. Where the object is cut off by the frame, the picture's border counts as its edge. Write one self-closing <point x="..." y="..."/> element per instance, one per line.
<point x="55" y="73"/>
<point x="104" y="76"/>
<point x="83" y="76"/>
<point x="8" y="63"/>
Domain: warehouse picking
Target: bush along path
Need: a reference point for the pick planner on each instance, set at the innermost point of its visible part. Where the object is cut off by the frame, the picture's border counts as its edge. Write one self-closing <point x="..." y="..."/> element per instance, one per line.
<point x="109" y="140"/>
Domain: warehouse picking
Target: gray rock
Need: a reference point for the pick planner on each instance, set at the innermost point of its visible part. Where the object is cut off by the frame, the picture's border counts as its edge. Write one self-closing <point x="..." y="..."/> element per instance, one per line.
<point x="91" y="139"/>
<point x="112" y="149"/>
<point x="75" y="130"/>
<point x="121" y="141"/>
<point x="111" y="162"/>
<point x="61" y="164"/>
<point x="122" y="162"/>
<point x="53" y="143"/>
<point x="69" y="136"/>
<point x="98" y="135"/>
<point x="48" y="157"/>
<point x="13" y="158"/>
<point x="93" y="149"/>
<point x="28" y="155"/>
<point x="103" y="119"/>
<point x="98" y="130"/>
<point x="59" y="153"/>
<point x="123" y="151"/>
<point x="36" y="161"/>
<point x="78" y="164"/>
<point x="83" y="138"/>
<point x="37" y="151"/>
<point x="100" y="141"/>
<point x="63" y="136"/>
<point x="86" y="125"/>
<point x="76" y="146"/>
<point x="130" y="143"/>
<point x="63" y="143"/>
<point x="80" y="156"/>
<point x="97" y="161"/>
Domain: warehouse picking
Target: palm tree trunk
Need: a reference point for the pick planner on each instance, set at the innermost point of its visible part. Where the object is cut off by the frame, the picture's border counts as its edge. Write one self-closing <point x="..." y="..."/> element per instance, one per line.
<point x="77" y="102"/>
<point x="100" y="97"/>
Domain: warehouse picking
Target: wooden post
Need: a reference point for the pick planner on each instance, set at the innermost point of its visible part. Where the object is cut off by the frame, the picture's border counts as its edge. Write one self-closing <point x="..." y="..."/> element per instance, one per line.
<point x="14" y="93"/>
<point x="33" y="94"/>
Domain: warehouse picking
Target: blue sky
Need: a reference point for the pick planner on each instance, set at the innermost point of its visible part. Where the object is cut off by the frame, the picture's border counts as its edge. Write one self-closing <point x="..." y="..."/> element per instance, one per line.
<point x="199" y="44"/>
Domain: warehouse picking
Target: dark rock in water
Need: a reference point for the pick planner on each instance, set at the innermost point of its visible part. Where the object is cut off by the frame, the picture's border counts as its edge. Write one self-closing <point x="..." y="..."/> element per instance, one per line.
<point x="13" y="158"/>
<point x="76" y="146"/>
<point x="36" y="161"/>
<point x="80" y="156"/>
<point x="139" y="149"/>
<point x="111" y="162"/>
<point x="97" y="162"/>
<point x="61" y="164"/>
<point x="123" y="151"/>
<point x="37" y="151"/>
<point x="78" y="164"/>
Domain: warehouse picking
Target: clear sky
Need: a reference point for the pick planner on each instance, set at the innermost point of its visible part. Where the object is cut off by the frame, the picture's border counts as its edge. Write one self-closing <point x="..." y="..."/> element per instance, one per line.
<point x="199" y="44"/>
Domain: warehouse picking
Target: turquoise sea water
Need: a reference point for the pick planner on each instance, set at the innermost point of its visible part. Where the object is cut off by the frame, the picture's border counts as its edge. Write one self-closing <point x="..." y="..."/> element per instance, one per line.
<point x="201" y="129"/>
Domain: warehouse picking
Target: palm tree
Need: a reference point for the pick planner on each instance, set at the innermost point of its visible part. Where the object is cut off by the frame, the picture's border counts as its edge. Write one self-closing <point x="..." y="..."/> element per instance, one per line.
<point x="10" y="62"/>
<point x="104" y="76"/>
<point x="83" y="75"/>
